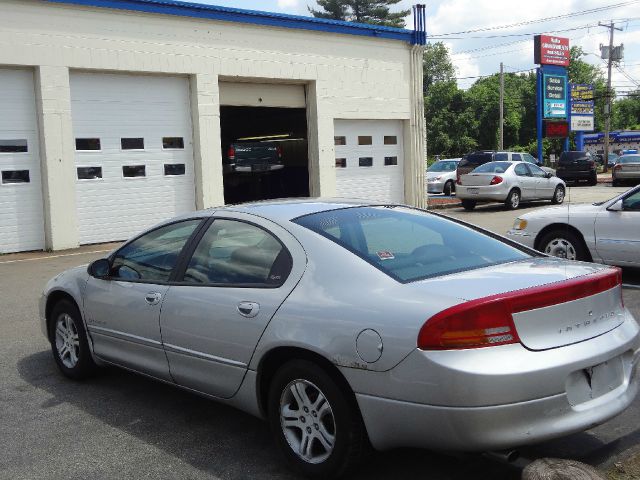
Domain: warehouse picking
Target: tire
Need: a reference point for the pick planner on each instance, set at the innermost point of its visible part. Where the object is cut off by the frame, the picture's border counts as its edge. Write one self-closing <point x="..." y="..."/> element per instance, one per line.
<point x="593" y="181"/>
<point x="513" y="200"/>
<point x="558" y="195"/>
<point x="69" y="341"/>
<point x="615" y="183"/>
<point x="338" y="442"/>
<point x="563" y="244"/>
<point x="448" y="188"/>
<point x="468" y="205"/>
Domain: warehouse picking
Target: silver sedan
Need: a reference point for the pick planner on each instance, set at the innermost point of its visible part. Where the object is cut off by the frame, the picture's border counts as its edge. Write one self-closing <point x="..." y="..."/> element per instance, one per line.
<point x="510" y="183"/>
<point x="626" y="169"/>
<point x="441" y="176"/>
<point x="348" y="325"/>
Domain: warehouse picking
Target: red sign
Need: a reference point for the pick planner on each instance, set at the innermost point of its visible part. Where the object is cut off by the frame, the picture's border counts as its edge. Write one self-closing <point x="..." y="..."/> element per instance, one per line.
<point x="556" y="129"/>
<point x="550" y="50"/>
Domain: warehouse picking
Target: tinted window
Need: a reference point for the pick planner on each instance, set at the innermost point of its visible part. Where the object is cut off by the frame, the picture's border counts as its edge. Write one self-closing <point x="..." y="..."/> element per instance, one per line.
<point x="153" y="256"/>
<point x="234" y="253"/>
<point x="443" y="166"/>
<point x="15" y="176"/>
<point x="341" y="163"/>
<point x="132" y="143"/>
<point x="516" y="157"/>
<point x="365" y="161"/>
<point x="339" y="140"/>
<point x="13" y="146"/>
<point x="409" y="244"/>
<point x="365" y="140"/>
<point x="475" y="159"/>
<point x="537" y="171"/>
<point x="632" y="202"/>
<point x="571" y="156"/>
<point x="521" y="170"/>
<point x="493" y="167"/>
<point x="172" y="169"/>
<point x="89" y="173"/>
<point x="501" y="157"/>
<point x="131" y="171"/>
<point x="87" y="144"/>
<point x="529" y="158"/>
<point x="172" y="142"/>
<point x="390" y="161"/>
<point x="390" y="140"/>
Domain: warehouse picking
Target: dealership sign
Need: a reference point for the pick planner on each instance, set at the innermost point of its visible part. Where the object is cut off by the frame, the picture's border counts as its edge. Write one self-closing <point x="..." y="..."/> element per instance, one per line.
<point x="550" y="50"/>
<point x="582" y="108"/>
<point x="555" y="95"/>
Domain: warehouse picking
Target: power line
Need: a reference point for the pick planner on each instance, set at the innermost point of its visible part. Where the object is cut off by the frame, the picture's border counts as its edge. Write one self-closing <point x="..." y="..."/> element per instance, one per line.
<point x="542" y="20"/>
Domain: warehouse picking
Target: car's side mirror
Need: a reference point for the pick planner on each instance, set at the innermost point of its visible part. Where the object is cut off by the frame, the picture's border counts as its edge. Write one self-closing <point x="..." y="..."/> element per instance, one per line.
<point x="616" y="207"/>
<point x="548" y="174"/>
<point x="99" y="268"/>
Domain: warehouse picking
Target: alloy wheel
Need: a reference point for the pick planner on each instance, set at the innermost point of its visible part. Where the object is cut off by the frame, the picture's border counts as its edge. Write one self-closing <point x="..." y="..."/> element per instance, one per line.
<point x="67" y="341"/>
<point x="515" y="200"/>
<point x="559" y="195"/>
<point x="307" y="421"/>
<point x="562" y="248"/>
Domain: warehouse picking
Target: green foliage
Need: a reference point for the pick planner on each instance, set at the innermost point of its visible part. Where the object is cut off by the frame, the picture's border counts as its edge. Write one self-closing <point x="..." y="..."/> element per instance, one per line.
<point x="626" y="114"/>
<point x="376" y="12"/>
<point x="437" y="66"/>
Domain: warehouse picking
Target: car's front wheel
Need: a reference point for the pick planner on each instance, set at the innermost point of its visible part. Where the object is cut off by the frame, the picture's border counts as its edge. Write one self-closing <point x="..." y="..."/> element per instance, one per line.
<point x="316" y="424"/>
<point x="69" y="341"/>
<point x="558" y="195"/>
<point x="448" y="188"/>
<point x="563" y="244"/>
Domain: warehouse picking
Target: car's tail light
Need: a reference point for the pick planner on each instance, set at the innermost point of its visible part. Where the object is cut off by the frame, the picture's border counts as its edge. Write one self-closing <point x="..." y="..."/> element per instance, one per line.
<point x="488" y="321"/>
<point x="458" y="181"/>
<point x="617" y="167"/>
<point x="231" y="153"/>
<point x="496" y="180"/>
<point x="279" y="150"/>
<point x="592" y="163"/>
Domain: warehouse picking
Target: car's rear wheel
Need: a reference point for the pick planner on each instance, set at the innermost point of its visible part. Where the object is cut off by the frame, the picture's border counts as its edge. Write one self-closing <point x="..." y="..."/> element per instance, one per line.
<point x="563" y="244"/>
<point x="593" y="180"/>
<point x="558" y="195"/>
<point x="316" y="424"/>
<point x="468" y="204"/>
<point x="615" y="183"/>
<point x="513" y="200"/>
<point x="69" y="341"/>
<point x="448" y="188"/>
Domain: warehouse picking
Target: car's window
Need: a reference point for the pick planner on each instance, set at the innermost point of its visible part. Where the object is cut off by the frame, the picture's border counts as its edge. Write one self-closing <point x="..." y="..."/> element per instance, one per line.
<point x="632" y="202"/>
<point x="516" y="157"/>
<point x="521" y="170"/>
<point x="537" y="171"/>
<point x="152" y="257"/>
<point x="493" y="167"/>
<point x="475" y="159"/>
<point x="234" y="253"/>
<point x="501" y="157"/>
<point x="629" y="159"/>
<point x="529" y="158"/>
<point x="443" y="166"/>
<point x="409" y="244"/>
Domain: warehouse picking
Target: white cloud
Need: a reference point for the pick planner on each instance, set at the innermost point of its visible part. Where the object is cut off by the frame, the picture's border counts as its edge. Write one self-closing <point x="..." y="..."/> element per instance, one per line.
<point x="287" y="4"/>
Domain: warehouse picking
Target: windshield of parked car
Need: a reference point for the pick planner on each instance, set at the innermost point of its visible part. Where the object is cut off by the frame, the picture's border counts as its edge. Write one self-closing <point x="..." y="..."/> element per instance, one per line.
<point x="629" y="159"/>
<point x="409" y="244"/>
<point x="443" y="166"/>
<point x="493" y="167"/>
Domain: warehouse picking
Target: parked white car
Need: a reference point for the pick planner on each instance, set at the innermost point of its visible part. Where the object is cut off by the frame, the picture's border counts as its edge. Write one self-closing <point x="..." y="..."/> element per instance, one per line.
<point x="441" y="176"/>
<point x="603" y="232"/>
<point x="508" y="182"/>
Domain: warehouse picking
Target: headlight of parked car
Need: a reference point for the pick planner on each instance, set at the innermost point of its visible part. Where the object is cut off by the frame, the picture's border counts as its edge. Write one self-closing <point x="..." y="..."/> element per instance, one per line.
<point x="520" y="224"/>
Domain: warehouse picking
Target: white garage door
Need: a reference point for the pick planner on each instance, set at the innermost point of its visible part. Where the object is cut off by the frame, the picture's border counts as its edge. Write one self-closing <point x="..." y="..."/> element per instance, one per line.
<point x="134" y="152"/>
<point x="21" y="216"/>
<point x="369" y="160"/>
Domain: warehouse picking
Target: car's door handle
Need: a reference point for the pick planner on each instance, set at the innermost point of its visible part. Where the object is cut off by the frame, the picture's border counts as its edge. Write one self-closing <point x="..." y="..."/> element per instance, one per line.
<point x="248" y="309"/>
<point x="152" y="298"/>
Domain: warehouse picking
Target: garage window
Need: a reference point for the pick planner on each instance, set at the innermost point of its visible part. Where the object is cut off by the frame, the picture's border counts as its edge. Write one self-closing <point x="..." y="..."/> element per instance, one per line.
<point x="15" y="176"/>
<point x="87" y="144"/>
<point x="132" y="143"/>
<point x="341" y="163"/>
<point x="173" y="169"/>
<point x="390" y="161"/>
<point x="134" y="171"/>
<point x="89" y="173"/>
<point x="390" y="140"/>
<point x="13" y="146"/>
<point x="172" y="143"/>
<point x="340" y="140"/>
<point x="365" y="140"/>
<point x="365" y="161"/>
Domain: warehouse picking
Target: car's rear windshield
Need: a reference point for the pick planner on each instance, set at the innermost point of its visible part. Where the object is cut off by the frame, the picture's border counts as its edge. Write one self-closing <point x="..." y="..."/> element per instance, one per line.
<point x="629" y="159"/>
<point x="409" y="244"/>
<point x="570" y="156"/>
<point x="475" y="159"/>
<point x="443" y="166"/>
<point x="493" y="167"/>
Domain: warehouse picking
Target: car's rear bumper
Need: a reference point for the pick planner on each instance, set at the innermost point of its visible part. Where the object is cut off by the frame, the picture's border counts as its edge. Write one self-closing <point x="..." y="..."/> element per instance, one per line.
<point x="491" y="193"/>
<point x="576" y="175"/>
<point x="622" y="175"/>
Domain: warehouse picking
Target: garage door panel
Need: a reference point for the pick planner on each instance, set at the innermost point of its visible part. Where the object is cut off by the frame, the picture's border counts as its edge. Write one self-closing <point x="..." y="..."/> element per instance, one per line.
<point x="373" y="155"/>
<point x="21" y="209"/>
<point x="112" y="107"/>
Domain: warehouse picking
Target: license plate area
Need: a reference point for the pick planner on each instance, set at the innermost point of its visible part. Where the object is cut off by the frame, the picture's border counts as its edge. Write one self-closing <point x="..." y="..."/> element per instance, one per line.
<point x="260" y="167"/>
<point x="593" y="382"/>
<point x="473" y="191"/>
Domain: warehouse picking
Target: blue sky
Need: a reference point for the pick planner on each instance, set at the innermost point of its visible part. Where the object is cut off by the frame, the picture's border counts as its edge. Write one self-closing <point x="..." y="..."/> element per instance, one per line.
<point x="479" y="56"/>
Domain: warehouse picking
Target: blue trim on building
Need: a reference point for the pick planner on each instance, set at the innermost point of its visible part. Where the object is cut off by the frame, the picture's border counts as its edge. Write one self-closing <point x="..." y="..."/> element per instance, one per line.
<point x="227" y="14"/>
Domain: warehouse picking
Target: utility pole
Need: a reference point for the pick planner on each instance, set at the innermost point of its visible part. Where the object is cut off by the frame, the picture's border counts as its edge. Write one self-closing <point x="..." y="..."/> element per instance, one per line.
<point x="501" y="142"/>
<point x="607" y="107"/>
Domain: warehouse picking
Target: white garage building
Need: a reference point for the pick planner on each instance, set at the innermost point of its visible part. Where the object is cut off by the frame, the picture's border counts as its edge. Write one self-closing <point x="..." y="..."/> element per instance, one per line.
<point x="116" y="114"/>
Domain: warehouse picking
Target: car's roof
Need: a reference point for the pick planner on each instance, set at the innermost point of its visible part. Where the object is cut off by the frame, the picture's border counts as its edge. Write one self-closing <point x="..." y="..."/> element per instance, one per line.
<point x="283" y="210"/>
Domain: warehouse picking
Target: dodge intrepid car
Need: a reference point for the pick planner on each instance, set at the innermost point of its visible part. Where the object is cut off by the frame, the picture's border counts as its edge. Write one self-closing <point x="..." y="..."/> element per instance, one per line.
<point x="348" y="325"/>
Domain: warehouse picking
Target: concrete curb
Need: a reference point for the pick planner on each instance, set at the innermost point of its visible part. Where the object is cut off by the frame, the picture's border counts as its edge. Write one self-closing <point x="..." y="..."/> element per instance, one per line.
<point x="444" y="206"/>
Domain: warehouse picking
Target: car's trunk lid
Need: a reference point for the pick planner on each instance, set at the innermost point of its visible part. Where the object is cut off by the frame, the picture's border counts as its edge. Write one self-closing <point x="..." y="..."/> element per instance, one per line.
<point x="477" y="179"/>
<point x="554" y="303"/>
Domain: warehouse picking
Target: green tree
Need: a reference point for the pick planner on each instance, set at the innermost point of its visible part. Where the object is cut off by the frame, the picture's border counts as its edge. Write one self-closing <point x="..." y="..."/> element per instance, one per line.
<point x="437" y="66"/>
<point x="376" y="12"/>
<point x="626" y="112"/>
